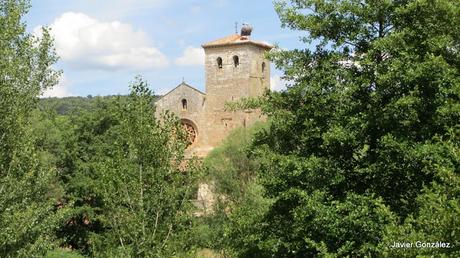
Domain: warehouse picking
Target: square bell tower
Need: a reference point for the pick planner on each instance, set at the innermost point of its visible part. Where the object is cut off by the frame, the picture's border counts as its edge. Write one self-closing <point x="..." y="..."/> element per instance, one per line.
<point x="235" y="67"/>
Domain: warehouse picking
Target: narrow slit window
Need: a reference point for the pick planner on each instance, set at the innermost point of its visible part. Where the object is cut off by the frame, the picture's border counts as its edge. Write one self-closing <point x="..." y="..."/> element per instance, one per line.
<point x="236" y="61"/>
<point x="219" y="62"/>
<point x="263" y="67"/>
<point x="184" y="104"/>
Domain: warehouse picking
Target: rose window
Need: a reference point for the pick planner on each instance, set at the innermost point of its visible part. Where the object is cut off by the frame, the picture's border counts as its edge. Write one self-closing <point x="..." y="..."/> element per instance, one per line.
<point x="191" y="132"/>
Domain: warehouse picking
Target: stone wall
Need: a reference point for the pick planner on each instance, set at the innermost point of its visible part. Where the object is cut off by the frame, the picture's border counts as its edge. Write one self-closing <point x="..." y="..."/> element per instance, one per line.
<point x="194" y="113"/>
<point x="230" y="82"/>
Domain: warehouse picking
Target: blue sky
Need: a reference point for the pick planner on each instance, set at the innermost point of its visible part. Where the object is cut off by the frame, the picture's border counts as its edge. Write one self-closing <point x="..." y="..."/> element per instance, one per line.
<point x="103" y="44"/>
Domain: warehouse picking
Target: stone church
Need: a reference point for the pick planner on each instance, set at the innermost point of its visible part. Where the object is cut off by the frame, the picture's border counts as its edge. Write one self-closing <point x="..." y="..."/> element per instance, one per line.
<point x="235" y="68"/>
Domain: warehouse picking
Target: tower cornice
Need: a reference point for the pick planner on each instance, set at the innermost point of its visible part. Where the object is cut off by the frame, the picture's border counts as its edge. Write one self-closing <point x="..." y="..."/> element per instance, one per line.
<point x="236" y="39"/>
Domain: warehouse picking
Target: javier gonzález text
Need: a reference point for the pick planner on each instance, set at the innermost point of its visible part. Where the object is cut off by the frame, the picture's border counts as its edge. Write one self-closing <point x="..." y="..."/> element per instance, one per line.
<point x="420" y="244"/>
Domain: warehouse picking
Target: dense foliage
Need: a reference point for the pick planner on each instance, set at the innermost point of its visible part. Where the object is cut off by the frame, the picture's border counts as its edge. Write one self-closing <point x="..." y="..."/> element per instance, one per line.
<point x="70" y="105"/>
<point x="126" y="180"/>
<point x="363" y="148"/>
<point x="239" y="199"/>
<point x="131" y="183"/>
<point x="27" y="212"/>
<point x="100" y="176"/>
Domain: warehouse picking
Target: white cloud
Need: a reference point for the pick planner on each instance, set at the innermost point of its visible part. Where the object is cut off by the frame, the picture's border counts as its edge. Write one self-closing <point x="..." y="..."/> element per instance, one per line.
<point x="60" y="90"/>
<point x="277" y="83"/>
<point x="85" y="42"/>
<point x="191" y="56"/>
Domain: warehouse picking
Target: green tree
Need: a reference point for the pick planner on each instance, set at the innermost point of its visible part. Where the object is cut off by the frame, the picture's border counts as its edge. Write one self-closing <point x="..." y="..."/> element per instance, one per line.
<point x="237" y="194"/>
<point x="85" y="134"/>
<point x="142" y="179"/>
<point x="364" y="143"/>
<point x="27" y="212"/>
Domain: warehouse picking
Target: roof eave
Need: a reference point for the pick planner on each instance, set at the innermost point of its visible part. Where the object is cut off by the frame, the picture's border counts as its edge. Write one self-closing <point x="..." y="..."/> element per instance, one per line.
<point x="263" y="45"/>
<point x="182" y="84"/>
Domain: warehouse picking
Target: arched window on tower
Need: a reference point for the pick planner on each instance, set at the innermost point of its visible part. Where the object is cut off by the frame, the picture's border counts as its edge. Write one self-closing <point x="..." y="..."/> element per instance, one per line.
<point x="263" y="67"/>
<point x="219" y="62"/>
<point x="184" y="105"/>
<point x="236" y="61"/>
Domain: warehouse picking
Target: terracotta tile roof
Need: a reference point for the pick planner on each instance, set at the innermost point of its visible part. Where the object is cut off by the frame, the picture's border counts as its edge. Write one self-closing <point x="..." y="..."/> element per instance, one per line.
<point x="236" y="39"/>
